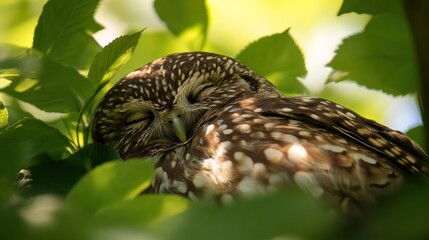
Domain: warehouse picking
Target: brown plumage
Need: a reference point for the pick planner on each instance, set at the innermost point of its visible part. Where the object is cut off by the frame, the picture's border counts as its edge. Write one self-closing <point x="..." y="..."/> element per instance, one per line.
<point x="219" y="130"/>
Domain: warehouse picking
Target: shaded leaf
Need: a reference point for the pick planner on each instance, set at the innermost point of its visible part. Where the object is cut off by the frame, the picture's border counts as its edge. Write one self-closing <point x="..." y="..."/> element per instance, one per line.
<point x="39" y="80"/>
<point x="279" y="215"/>
<point x="93" y="155"/>
<point x="143" y="210"/>
<point x="185" y="18"/>
<point x="110" y="183"/>
<point x="52" y="177"/>
<point x="404" y="215"/>
<point x="25" y="140"/>
<point x="13" y="226"/>
<point x="368" y="6"/>
<point x="63" y="32"/>
<point x="417" y="134"/>
<point x="60" y="176"/>
<point x="382" y="57"/>
<point x="45" y="217"/>
<point x="279" y="59"/>
<point x="107" y="62"/>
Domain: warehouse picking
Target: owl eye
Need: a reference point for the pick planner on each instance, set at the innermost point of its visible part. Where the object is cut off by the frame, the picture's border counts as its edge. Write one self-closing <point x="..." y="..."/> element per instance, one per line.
<point x="192" y="98"/>
<point x="138" y="117"/>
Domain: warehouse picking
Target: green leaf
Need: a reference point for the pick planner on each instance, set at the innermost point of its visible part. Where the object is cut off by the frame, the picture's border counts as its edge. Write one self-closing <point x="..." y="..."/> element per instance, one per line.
<point x="281" y="215"/>
<point x="278" y="58"/>
<point x="382" y="57"/>
<point x="25" y="140"/>
<point x="4" y="116"/>
<point x="143" y="210"/>
<point x="93" y="155"/>
<point x="16" y="114"/>
<point x="63" y="32"/>
<point x="13" y="226"/>
<point x="185" y="18"/>
<point x="144" y="53"/>
<point x="110" y="183"/>
<point x="107" y="62"/>
<point x="368" y="6"/>
<point x="39" y="80"/>
<point x="59" y="176"/>
<point x="405" y="215"/>
<point x="417" y="134"/>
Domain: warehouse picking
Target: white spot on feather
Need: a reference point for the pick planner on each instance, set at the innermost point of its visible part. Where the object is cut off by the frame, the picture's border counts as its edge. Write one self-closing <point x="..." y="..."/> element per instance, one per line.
<point x="333" y="148"/>
<point x="296" y="153"/>
<point x="273" y="155"/>
<point x="243" y="128"/>
<point x="365" y="158"/>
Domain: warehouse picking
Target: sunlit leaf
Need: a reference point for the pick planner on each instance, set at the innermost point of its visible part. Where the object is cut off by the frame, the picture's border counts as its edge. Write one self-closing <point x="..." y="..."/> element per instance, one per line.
<point x="278" y="58"/>
<point x="279" y="215"/>
<point x="382" y="57"/>
<point x="39" y="80"/>
<point x="16" y="114"/>
<point x="107" y="62"/>
<point x="4" y="116"/>
<point x="185" y="18"/>
<point x="18" y="19"/>
<point x="63" y="32"/>
<point x="165" y="44"/>
<point x="23" y="141"/>
<point x="110" y="183"/>
<point x="143" y="210"/>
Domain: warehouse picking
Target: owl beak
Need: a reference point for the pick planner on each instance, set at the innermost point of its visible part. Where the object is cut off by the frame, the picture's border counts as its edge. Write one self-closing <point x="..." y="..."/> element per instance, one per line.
<point x="179" y="128"/>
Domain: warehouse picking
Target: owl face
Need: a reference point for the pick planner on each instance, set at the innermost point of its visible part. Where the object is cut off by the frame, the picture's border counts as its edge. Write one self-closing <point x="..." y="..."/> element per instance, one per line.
<point x="162" y="104"/>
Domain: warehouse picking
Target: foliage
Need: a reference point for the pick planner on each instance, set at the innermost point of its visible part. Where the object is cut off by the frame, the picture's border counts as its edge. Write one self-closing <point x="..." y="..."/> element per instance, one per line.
<point x="278" y="58"/>
<point x="385" y="46"/>
<point x="75" y="189"/>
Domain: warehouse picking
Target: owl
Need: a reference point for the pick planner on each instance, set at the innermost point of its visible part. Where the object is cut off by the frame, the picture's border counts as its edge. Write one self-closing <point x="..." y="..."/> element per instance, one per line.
<point x="220" y="131"/>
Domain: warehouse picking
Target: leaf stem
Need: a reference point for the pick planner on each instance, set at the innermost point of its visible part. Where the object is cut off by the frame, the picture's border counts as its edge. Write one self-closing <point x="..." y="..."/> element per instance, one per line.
<point x="83" y="113"/>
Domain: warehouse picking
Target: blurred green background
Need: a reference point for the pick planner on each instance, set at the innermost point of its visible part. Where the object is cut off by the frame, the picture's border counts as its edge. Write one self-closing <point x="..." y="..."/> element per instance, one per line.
<point x="315" y="26"/>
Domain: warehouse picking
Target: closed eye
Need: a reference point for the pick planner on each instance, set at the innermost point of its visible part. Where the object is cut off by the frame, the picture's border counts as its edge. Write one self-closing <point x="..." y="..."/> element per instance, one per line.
<point x="134" y="121"/>
<point x="192" y="98"/>
<point x="138" y="117"/>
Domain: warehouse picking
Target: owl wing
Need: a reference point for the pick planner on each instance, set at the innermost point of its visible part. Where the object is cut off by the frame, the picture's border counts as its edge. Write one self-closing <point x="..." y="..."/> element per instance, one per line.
<point x="258" y="144"/>
<point x="403" y="153"/>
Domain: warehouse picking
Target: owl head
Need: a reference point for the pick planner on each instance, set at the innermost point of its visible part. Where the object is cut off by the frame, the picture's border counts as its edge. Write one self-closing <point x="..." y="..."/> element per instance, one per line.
<point x="161" y="105"/>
